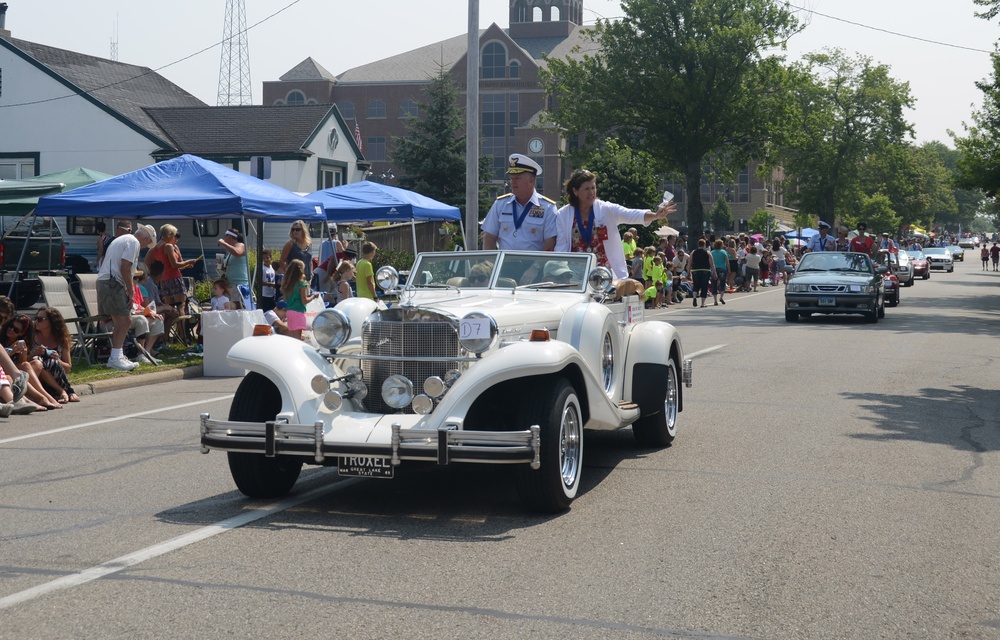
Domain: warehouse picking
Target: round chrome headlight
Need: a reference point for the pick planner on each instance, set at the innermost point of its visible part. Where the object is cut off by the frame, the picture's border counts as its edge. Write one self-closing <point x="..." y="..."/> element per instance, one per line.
<point x="358" y="390"/>
<point x="422" y="405"/>
<point x="397" y="391"/>
<point x="319" y="384"/>
<point x="477" y="331"/>
<point x="331" y="328"/>
<point x="599" y="279"/>
<point x="434" y="387"/>
<point x="333" y="401"/>
<point x="387" y="278"/>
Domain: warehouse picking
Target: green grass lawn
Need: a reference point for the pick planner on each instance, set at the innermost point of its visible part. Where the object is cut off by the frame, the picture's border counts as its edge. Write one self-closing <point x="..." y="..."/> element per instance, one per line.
<point x="174" y="356"/>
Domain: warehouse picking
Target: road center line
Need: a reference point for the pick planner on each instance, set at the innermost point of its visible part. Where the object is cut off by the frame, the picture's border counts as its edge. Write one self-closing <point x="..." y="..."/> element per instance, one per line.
<point x="123" y="562"/>
<point x="113" y="419"/>
<point x="690" y="355"/>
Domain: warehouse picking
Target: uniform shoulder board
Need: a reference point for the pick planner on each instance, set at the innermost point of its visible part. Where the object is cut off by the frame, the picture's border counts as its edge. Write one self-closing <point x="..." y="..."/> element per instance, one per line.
<point x="549" y="200"/>
<point x="506" y="195"/>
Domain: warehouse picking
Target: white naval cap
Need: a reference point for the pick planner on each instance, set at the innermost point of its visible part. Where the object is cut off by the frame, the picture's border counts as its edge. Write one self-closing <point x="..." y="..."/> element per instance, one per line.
<point x="519" y="163"/>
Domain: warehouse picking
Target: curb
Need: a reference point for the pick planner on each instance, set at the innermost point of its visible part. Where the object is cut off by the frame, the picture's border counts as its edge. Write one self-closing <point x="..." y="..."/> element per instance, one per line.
<point x="128" y="380"/>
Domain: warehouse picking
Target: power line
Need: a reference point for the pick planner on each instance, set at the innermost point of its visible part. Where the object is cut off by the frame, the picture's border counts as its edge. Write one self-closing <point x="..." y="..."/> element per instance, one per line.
<point x="151" y="71"/>
<point x="893" y="33"/>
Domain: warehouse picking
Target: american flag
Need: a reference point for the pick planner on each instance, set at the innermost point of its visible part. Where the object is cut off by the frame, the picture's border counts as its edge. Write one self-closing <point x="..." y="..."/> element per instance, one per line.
<point x="357" y="136"/>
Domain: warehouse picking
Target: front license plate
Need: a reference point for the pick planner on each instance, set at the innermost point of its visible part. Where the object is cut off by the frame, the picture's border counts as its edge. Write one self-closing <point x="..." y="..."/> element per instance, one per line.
<point x="359" y="467"/>
<point x="827" y="302"/>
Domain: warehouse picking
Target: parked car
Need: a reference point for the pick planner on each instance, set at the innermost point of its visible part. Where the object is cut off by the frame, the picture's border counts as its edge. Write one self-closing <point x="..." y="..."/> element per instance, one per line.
<point x="904" y="270"/>
<point x="939" y="258"/>
<point x="920" y="266"/>
<point x="488" y="357"/>
<point x="28" y="246"/>
<point x="957" y="252"/>
<point x="833" y="282"/>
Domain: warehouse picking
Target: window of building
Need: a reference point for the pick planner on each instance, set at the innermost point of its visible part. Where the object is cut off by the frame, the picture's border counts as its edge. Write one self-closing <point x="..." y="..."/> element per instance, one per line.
<point x="407" y="108"/>
<point x="493" y="136"/>
<point x="17" y="168"/>
<point x="556" y="13"/>
<point x="376" y="108"/>
<point x="743" y="192"/>
<point x="346" y="109"/>
<point x="536" y="14"/>
<point x="515" y="69"/>
<point x="375" y="149"/>
<point x="295" y="98"/>
<point x="330" y="175"/>
<point x="494" y="61"/>
<point x="540" y="180"/>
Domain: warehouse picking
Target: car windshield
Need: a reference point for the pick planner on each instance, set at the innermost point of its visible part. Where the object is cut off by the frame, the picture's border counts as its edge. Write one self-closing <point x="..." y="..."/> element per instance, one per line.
<point x="499" y="270"/>
<point x="917" y="255"/>
<point x="831" y="261"/>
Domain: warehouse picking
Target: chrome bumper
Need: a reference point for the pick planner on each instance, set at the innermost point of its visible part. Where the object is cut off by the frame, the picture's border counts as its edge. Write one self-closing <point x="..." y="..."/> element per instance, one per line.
<point x="429" y="445"/>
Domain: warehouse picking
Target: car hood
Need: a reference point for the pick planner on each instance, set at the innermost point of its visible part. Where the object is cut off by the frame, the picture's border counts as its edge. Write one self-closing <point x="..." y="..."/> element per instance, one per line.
<point x="529" y="309"/>
<point x="831" y="277"/>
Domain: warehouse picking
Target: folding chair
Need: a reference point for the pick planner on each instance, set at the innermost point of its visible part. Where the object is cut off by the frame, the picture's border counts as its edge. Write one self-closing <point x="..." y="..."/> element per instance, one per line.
<point x="88" y="287"/>
<point x="83" y="332"/>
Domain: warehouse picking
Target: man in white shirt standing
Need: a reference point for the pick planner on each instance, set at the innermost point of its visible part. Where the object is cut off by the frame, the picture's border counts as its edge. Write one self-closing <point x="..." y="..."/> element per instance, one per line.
<point x="522" y="219"/>
<point x="822" y="240"/>
<point x="115" y="288"/>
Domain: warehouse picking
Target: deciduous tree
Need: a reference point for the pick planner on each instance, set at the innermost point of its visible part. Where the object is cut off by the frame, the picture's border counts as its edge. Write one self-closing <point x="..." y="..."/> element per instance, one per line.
<point x="683" y="80"/>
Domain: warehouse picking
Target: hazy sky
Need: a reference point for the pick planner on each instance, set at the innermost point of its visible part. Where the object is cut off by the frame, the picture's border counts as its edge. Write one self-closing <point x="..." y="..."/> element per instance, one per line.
<point x="340" y="36"/>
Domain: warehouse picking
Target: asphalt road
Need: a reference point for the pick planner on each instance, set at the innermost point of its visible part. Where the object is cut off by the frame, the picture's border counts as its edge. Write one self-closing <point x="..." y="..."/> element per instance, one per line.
<point x="831" y="479"/>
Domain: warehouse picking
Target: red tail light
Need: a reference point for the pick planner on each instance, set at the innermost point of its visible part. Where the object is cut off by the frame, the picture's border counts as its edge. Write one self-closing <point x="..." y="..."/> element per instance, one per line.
<point x="62" y="256"/>
<point x="1" y="253"/>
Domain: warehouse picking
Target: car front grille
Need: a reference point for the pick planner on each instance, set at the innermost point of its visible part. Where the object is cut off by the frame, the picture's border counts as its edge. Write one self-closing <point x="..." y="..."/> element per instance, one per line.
<point x="828" y="288"/>
<point x="404" y="340"/>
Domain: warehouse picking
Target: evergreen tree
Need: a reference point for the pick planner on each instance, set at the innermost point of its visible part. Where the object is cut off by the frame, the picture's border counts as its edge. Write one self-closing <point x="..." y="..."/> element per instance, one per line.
<point x="431" y="157"/>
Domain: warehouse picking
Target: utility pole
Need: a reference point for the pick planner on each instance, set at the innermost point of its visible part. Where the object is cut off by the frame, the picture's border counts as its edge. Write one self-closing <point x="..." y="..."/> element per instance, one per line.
<point x="472" y="131"/>
<point x="234" y="70"/>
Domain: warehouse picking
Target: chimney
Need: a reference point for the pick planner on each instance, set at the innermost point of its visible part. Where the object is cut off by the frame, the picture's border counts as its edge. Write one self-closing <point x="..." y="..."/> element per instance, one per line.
<point x="4" y="33"/>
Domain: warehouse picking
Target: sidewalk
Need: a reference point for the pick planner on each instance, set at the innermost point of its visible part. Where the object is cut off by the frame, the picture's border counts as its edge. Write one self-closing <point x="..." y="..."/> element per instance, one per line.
<point x="128" y="380"/>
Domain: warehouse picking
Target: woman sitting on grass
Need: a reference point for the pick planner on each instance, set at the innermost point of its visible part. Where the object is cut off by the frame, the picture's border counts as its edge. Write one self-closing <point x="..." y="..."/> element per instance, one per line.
<point x="50" y="354"/>
<point x="14" y="335"/>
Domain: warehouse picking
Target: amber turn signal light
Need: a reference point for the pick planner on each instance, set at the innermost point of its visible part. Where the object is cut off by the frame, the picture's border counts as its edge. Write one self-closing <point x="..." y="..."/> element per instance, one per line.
<point x="539" y="335"/>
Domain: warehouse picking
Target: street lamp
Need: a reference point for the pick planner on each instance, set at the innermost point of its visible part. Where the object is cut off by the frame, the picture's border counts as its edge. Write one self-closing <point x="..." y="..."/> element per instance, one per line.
<point x="386" y="176"/>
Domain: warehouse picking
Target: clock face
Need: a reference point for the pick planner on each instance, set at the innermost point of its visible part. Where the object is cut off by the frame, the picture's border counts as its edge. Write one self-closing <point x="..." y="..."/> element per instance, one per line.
<point x="535" y="145"/>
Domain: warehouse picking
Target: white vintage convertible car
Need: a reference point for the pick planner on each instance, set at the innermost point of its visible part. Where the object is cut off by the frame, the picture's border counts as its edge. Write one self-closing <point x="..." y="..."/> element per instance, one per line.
<point x="487" y="357"/>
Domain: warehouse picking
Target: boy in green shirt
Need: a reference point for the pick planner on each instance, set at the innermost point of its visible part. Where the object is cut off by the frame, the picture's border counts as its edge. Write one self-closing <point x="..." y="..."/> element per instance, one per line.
<point x="365" y="274"/>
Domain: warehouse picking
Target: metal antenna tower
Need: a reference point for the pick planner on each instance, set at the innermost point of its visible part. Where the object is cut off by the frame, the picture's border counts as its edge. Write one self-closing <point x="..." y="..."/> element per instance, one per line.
<point x="114" y="41"/>
<point x="234" y="70"/>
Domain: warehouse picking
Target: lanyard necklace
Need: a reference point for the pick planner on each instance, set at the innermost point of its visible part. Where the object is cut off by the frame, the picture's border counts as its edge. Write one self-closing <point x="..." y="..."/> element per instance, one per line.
<point x="585" y="233"/>
<point x="519" y="219"/>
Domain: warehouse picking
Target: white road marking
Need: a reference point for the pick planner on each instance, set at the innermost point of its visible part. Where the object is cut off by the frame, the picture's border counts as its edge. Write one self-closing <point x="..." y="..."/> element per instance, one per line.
<point x="120" y="563"/>
<point x="113" y="419"/>
<point x="704" y="351"/>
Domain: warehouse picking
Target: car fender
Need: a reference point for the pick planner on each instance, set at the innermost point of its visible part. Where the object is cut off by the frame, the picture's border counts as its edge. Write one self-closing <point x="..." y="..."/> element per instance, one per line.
<point x="281" y="360"/>
<point x="584" y="328"/>
<point x="653" y="342"/>
<point x="357" y="311"/>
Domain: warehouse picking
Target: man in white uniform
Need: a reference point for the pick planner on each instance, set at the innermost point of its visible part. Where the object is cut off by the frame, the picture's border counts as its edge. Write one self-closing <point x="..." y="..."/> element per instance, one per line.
<point x="523" y="219"/>
<point x="115" y="288"/>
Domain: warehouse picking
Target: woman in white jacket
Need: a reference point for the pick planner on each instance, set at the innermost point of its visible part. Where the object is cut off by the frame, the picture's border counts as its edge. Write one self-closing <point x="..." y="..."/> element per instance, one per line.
<point x="588" y="224"/>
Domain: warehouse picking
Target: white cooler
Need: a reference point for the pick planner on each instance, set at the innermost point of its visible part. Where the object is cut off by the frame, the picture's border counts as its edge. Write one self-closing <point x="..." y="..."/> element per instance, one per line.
<point x="220" y="331"/>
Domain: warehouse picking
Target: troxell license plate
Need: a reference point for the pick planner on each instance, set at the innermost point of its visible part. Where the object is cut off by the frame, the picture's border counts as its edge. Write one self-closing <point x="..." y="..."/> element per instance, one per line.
<point x="360" y="467"/>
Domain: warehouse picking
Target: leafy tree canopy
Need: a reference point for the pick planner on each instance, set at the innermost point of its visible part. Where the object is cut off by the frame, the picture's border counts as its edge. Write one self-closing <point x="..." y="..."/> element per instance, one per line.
<point x="849" y="109"/>
<point x="680" y="79"/>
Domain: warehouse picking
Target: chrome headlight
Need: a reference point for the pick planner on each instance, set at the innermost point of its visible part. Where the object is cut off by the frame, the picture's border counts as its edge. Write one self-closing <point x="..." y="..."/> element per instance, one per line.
<point x="797" y="288"/>
<point x="599" y="279"/>
<point x="331" y="328"/>
<point x="387" y="278"/>
<point x="477" y="331"/>
<point x="397" y="391"/>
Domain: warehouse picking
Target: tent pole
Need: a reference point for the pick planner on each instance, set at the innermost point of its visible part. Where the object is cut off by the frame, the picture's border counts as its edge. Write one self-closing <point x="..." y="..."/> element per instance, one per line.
<point x="413" y="228"/>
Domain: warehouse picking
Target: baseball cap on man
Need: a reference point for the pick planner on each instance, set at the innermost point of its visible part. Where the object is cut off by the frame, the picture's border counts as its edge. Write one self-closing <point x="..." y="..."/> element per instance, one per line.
<point x="518" y="163"/>
<point x="556" y="269"/>
<point x="148" y="230"/>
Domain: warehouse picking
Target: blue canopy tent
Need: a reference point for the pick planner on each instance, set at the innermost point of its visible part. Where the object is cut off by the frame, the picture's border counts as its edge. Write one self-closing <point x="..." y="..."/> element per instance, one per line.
<point x="367" y="201"/>
<point x="184" y="187"/>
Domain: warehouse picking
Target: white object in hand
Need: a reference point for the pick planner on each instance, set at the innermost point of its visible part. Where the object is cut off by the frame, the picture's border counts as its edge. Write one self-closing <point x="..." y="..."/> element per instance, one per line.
<point x="667" y="198"/>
